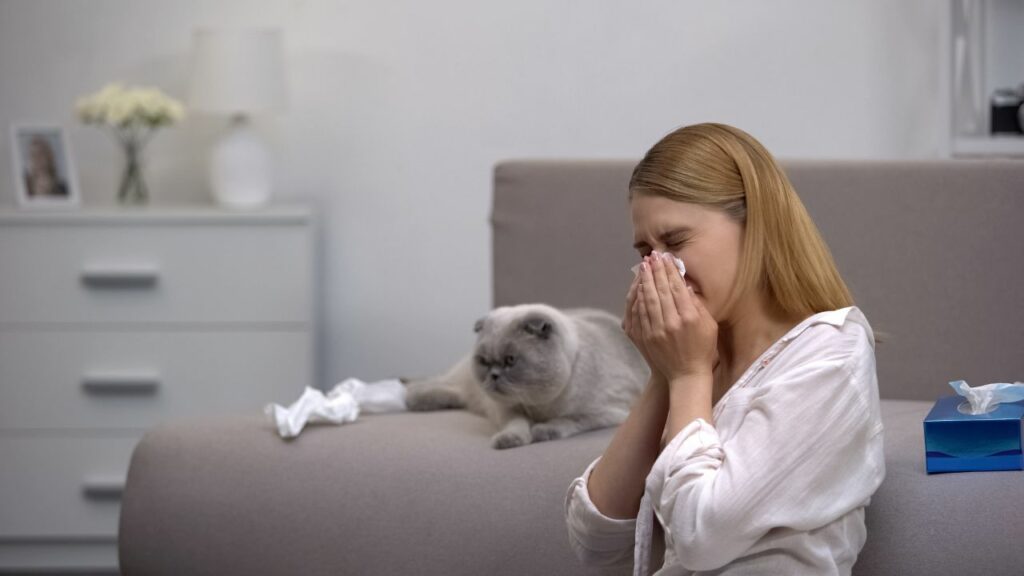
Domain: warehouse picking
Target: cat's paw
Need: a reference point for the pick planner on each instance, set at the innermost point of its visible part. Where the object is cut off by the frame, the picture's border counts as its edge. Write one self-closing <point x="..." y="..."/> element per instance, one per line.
<point x="503" y="440"/>
<point x="435" y="399"/>
<point x="542" y="432"/>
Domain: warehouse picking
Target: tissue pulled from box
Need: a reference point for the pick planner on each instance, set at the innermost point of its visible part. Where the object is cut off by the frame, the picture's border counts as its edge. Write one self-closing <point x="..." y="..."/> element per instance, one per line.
<point x="679" y="264"/>
<point x="985" y="398"/>
<point x="341" y="404"/>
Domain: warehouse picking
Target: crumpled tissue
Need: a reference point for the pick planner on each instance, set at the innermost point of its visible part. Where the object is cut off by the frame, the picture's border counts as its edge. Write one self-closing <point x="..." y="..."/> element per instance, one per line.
<point x="679" y="264"/>
<point x="341" y="404"/>
<point x="984" y="399"/>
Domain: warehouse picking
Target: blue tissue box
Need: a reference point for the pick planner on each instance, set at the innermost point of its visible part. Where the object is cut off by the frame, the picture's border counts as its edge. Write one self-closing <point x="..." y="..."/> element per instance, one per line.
<point x="955" y="441"/>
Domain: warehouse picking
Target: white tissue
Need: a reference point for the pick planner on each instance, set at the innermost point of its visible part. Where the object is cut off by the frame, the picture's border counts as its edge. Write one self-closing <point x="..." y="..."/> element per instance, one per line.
<point x="985" y="398"/>
<point x="342" y="403"/>
<point x="679" y="264"/>
<point x="375" y="397"/>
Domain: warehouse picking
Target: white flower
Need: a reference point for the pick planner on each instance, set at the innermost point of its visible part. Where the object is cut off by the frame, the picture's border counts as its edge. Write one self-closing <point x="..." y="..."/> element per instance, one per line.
<point x="117" y="105"/>
<point x="118" y="111"/>
<point x="86" y="110"/>
<point x="177" y="112"/>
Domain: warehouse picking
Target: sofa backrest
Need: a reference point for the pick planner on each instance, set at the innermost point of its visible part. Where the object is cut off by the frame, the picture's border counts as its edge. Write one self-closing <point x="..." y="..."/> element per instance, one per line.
<point x="933" y="252"/>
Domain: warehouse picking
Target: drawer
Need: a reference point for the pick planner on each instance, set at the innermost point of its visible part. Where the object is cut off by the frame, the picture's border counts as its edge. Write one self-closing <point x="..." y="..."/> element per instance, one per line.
<point x="62" y="486"/>
<point x="111" y="380"/>
<point x="155" y="273"/>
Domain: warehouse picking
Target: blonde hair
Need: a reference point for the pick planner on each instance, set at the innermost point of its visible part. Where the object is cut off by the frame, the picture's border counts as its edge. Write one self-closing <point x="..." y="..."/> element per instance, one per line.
<point x="784" y="255"/>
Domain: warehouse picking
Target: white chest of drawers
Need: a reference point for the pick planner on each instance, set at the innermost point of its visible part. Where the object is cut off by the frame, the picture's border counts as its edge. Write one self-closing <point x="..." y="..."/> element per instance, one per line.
<point x="113" y="321"/>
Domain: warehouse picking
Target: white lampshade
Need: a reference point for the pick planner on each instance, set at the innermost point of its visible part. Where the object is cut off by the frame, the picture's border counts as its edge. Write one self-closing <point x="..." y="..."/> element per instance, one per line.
<point x="237" y="71"/>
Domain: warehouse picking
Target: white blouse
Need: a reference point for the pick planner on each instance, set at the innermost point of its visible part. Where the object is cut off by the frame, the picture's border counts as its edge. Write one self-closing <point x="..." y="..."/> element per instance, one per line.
<point x="778" y="485"/>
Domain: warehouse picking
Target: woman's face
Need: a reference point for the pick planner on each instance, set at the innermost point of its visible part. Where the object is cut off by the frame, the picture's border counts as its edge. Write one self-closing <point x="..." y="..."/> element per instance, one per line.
<point x="37" y="155"/>
<point x="707" y="240"/>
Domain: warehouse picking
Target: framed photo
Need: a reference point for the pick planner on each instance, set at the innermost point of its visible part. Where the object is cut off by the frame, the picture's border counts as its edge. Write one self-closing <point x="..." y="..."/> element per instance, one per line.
<point x="44" y="171"/>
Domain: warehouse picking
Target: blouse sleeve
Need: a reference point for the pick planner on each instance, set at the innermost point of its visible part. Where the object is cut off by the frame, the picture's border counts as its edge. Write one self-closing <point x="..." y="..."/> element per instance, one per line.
<point x="596" y="539"/>
<point x="808" y="451"/>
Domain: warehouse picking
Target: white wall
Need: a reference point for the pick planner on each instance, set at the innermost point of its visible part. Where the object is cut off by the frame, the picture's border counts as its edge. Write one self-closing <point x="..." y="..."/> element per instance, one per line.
<point x="399" y="110"/>
<point x="1004" y="54"/>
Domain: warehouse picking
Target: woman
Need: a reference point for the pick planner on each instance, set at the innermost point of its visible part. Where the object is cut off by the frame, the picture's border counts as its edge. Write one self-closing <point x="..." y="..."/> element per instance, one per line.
<point x="757" y="442"/>
<point x="41" y="178"/>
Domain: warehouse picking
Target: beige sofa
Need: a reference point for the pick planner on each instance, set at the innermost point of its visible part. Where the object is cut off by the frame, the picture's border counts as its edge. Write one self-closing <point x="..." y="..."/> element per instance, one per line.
<point x="931" y="250"/>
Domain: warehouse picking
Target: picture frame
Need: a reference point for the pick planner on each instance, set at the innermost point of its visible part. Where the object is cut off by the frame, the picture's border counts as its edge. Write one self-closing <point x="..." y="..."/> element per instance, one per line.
<point x="44" y="169"/>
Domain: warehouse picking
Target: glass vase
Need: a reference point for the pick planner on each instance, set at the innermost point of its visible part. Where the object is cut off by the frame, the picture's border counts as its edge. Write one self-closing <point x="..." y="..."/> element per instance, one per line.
<point x="133" y="186"/>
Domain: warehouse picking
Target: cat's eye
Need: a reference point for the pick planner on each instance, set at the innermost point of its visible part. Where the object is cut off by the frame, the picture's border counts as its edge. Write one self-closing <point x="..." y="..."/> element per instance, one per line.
<point x="510" y="360"/>
<point x="481" y="360"/>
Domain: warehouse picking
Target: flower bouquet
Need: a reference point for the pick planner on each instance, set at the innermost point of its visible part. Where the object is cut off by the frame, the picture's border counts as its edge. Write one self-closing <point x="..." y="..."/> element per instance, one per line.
<point x="133" y="115"/>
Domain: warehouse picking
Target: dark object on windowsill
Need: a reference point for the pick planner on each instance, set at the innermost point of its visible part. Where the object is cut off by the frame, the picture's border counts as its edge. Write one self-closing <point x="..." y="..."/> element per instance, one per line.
<point x="1006" y="111"/>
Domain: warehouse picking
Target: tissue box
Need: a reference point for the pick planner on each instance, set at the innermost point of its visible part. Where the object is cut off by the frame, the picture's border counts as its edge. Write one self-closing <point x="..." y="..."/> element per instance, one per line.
<point x="956" y="441"/>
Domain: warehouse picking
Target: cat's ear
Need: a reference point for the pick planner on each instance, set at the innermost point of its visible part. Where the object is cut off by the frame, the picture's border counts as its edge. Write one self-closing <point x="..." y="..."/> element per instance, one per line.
<point x="478" y="326"/>
<point x="539" y="326"/>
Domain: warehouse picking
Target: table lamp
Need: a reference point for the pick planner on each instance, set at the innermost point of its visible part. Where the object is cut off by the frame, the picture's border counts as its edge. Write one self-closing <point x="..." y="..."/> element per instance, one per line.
<point x="238" y="73"/>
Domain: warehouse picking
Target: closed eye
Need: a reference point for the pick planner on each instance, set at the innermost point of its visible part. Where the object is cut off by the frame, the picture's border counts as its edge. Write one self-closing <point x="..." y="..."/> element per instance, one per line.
<point x="679" y="234"/>
<point x="672" y="247"/>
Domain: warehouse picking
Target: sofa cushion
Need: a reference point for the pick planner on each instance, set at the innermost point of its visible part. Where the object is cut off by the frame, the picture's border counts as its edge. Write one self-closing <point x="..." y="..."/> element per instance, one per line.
<point x="431" y="483"/>
<point x="936" y="524"/>
<point x="405" y="493"/>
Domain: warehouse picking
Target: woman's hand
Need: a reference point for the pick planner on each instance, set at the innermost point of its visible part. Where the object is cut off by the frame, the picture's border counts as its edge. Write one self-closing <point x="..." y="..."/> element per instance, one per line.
<point x="677" y="335"/>
<point x="631" y="324"/>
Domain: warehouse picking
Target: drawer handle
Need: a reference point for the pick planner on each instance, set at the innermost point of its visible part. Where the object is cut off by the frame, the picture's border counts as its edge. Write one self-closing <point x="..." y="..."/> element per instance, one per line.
<point x="115" y="275"/>
<point x="121" y="383"/>
<point x="103" y="487"/>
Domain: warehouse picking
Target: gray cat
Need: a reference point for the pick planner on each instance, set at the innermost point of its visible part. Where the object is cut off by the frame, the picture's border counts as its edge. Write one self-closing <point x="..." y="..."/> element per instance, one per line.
<point x="540" y="374"/>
